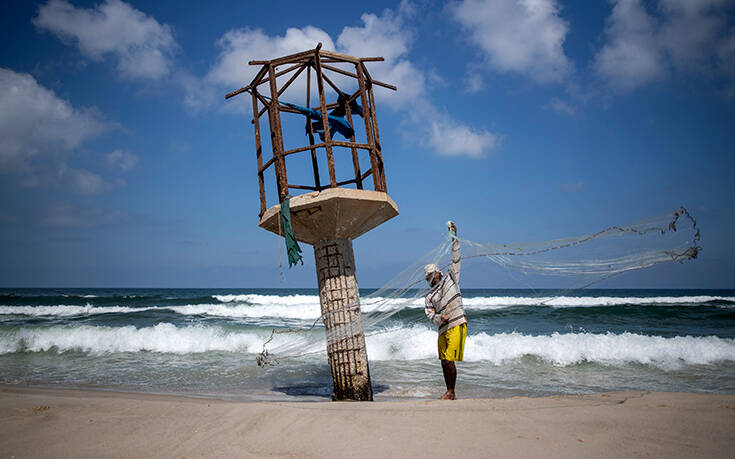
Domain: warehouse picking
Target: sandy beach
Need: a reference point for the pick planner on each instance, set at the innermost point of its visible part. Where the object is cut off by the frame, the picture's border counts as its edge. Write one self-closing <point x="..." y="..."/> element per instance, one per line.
<point x="36" y="422"/>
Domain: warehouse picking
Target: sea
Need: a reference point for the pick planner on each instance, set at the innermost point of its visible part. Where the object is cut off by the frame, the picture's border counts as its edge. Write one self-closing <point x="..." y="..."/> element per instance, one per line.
<point x="204" y="343"/>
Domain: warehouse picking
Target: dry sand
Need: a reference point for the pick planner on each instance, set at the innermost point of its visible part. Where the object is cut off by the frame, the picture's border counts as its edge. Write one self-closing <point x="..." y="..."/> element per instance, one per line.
<point x="78" y="424"/>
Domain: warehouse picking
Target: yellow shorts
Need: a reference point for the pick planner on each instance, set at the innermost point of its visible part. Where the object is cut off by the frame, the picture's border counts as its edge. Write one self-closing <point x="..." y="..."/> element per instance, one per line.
<point x="451" y="343"/>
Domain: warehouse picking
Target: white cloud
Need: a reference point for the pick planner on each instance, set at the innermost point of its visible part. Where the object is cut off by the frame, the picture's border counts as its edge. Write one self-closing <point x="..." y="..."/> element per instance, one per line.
<point x="683" y="35"/>
<point x="141" y="46"/>
<point x="388" y="35"/>
<point x="238" y="47"/>
<point x="34" y="122"/>
<point x="518" y="36"/>
<point x="83" y="181"/>
<point x="474" y="83"/>
<point x="450" y="138"/>
<point x="632" y="55"/>
<point x="691" y="27"/>
<point x="123" y="160"/>
<point x="559" y="106"/>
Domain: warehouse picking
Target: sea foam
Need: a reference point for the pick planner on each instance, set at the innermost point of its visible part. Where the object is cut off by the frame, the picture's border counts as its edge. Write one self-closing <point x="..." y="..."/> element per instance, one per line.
<point x="401" y="343"/>
<point x="560" y="349"/>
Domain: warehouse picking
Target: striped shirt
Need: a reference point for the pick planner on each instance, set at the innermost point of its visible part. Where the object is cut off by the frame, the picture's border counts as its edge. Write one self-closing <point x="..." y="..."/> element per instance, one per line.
<point x="445" y="297"/>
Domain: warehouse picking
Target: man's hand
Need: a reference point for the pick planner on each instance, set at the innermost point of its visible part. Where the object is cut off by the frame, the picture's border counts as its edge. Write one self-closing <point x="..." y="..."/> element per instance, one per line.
<point x="445" y="318"/>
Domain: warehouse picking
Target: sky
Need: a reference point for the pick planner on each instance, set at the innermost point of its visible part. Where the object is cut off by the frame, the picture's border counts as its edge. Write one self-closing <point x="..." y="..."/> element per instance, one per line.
<point x="122" y="165"/>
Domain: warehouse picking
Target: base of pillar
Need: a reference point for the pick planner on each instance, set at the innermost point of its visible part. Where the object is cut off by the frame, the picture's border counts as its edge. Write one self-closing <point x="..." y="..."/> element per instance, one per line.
<point x="340" y="304"/>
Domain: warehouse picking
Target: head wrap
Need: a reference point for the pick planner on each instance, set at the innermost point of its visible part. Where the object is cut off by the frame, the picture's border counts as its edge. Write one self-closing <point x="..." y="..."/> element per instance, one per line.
<point x="430" y="269"/>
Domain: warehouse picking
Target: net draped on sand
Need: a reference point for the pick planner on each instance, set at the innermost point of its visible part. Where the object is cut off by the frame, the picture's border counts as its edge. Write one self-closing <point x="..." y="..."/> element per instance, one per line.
<point x="567" y="265"/>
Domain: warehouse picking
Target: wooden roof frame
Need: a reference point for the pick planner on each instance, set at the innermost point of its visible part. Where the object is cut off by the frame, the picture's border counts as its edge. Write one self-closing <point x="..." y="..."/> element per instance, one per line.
<point x="319" y="60"/>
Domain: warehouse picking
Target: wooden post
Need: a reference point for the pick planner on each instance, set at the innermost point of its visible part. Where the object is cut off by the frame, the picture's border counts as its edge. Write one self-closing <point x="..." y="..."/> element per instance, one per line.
<point x="325" y="118"/>
<point x="340" y="304"/>
<point x="376" y="133"/>
<point x="258" y="152"/>
<point x="277" y="135"/>
<point x="377" y="183"/>
<point x="355" y="157"/>
<point x="314" y="161"/>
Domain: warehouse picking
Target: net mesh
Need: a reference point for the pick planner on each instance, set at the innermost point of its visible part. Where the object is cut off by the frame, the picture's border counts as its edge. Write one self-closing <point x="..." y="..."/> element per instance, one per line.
<point x="566" y="265"/>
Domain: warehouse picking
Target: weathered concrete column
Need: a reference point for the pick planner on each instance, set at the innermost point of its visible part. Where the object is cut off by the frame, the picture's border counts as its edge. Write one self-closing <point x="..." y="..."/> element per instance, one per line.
<point x="340" y="304"/>
<point x="329" y="220"/>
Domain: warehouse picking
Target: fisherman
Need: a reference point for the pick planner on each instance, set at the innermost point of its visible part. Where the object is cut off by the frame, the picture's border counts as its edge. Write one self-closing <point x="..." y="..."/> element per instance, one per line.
<point x="443" y="307"/>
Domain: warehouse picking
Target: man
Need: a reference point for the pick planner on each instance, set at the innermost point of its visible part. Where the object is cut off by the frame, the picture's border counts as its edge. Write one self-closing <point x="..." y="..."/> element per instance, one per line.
<point x="443" y="307"/>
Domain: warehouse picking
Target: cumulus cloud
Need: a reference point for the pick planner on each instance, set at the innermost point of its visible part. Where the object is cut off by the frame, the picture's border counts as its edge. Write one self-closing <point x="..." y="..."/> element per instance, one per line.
<point x="39" y="132"/>
<point x="35" y="122"/>
<point x="140" y="45"/>
<point x="388" y="35"/>
<point x="643" y="46"/>
<point x="525" y="37"/>
<point x="122" y="160"/>
<point x="451" y="138"/>
<point x="238" y="47"/>
<point x="559" y="106"/>
<point x="83" y="181"/>
<point x="632" y="55"/>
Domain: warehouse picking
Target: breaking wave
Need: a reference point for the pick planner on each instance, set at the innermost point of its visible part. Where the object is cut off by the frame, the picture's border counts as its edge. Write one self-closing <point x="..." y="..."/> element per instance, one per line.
<point x="401" y="343"/>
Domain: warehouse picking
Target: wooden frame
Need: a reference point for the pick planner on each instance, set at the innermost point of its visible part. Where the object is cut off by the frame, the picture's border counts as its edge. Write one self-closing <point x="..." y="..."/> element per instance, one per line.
<point x="318" y="60"/>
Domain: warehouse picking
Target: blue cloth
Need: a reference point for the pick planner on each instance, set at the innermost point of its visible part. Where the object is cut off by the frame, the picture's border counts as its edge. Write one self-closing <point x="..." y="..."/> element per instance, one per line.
<point x="336" y="123"/>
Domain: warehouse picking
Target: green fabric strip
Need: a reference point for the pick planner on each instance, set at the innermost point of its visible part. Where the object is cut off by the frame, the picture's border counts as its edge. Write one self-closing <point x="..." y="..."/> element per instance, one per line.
<point x="292" y="246"/>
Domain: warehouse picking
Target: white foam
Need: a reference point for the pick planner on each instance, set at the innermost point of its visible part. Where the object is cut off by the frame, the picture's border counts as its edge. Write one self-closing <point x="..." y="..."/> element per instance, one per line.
<point x="485" y="302"/>
<point x="66" y="311"/>
<point x="415" y="343"/>
<point x="164" y="337"/>
<point x="497" y="302"/>
<point x="303" y="312"/>
<point x="558" y="348"/>
<point x="306" y="307"/>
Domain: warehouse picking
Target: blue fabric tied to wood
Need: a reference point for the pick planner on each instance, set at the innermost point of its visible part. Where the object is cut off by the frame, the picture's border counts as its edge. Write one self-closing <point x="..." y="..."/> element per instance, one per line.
<point x="337" y="122"/>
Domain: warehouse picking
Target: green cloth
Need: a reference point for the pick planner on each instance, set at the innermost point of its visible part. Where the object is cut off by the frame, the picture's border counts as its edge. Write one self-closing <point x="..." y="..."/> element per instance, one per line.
<point x="292" y="246"/>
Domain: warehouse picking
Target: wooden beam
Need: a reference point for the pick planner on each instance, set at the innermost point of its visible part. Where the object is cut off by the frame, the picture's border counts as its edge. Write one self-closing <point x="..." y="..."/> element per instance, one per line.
<point x="314" y="161"/>
<point x="334" y="86"/>
<point x="350" y="74"/>
<point x="371" y="59"/>
<point x="355" y="158"/>
<point x="259" y="155"/>
<point x="303" y="187"/>
<point x="344" y="57"/>
<point x="368" y="131"/>
<point x="277" y="135"/>
<point x="325" y="118"/>
<point x="376" y="135"/>
<point x="293" y="77"/>
<point x="346" y="182"/>
<point x="289" y="58"/>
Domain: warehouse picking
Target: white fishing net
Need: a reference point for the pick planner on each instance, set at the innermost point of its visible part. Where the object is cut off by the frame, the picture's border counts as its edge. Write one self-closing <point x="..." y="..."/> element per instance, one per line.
<point x="565" y="265"/>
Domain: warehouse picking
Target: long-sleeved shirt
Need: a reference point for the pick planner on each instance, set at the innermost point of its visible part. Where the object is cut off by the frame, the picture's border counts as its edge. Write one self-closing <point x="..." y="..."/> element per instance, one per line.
<point x="445" y="297"/>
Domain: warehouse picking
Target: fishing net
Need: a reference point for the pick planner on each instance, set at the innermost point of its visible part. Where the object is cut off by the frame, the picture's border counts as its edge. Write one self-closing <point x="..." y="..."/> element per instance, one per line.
<point x="566" y="265"/>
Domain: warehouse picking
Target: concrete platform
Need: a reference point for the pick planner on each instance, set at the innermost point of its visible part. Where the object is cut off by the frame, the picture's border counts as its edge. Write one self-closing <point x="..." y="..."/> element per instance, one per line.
<point x="336" y="213"/>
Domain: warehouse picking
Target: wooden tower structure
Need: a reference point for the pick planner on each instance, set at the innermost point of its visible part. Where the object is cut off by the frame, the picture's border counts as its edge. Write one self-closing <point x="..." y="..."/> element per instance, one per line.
<point x="332" y="210"/>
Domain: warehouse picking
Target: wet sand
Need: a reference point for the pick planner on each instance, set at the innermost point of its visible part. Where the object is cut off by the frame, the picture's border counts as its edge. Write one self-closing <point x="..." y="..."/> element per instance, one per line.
<point x="36" y="422"/>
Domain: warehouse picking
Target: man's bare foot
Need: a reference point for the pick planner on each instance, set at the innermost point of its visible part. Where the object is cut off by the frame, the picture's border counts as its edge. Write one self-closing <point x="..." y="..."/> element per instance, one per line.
<point x="448" y="395"/>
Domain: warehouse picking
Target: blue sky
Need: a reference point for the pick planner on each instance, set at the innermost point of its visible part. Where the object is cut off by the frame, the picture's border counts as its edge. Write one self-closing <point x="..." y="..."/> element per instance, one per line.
<point x="121" y="165"/>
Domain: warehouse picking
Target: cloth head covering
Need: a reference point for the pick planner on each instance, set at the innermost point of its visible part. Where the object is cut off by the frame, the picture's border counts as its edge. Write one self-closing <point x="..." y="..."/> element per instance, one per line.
<point x="430" y="268"/>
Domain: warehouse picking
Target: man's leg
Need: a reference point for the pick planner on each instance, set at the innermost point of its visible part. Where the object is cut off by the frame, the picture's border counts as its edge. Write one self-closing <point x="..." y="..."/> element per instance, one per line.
<point x="450" y="379"/>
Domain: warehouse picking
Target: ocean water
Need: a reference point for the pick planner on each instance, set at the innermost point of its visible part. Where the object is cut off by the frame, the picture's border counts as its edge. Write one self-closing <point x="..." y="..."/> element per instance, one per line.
<point x="203" y="342"/>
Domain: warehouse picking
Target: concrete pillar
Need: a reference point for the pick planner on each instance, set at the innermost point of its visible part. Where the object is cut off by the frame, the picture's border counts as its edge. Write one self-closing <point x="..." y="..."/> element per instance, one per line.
<point x="340" y="303"/>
